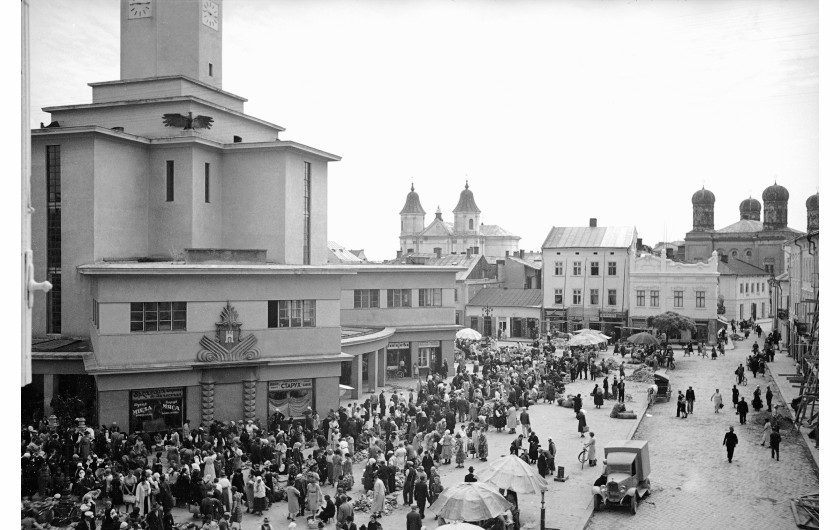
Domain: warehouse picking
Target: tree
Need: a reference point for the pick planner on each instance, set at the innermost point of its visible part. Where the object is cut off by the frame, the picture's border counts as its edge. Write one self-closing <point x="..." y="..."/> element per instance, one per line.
<point x="670" y="322"/>
<point x="721" y="310"/>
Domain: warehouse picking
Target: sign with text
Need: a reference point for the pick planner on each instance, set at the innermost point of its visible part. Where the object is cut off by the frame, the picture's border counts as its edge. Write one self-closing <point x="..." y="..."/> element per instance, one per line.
<point x="290" y="384"/>
<point x="399" y="346"/>
<point x="429" y="344"/>
<point x="156" y="409"/>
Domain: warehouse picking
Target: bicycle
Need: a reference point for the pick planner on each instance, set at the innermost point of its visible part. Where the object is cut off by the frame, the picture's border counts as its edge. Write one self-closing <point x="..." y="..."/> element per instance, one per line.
<point x="582" y="457"/>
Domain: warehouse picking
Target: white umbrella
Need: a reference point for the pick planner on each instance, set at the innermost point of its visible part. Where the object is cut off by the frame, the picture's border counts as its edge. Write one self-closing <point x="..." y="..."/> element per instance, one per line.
<point x="470" y="501"/>
<point x="468" y="334"/>
<point x="593" y="332"/>
<point x="511" y="473"/>
<point x="459" y="526"/>
<point x="585" y="339"/>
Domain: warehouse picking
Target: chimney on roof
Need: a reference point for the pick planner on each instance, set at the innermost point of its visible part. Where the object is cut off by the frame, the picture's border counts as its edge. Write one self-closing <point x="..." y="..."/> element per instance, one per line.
<point x="507" y="253"/>
<point x="469" y="252"/>
<point x="437" y="252"/>
<point x="521" y="253"/>
<point x="638" y="243"/>
<point x="593" y="222"/>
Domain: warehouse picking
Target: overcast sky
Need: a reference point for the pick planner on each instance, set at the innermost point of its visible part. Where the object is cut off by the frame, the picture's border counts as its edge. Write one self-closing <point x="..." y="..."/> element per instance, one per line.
<point x="555" y="111"/>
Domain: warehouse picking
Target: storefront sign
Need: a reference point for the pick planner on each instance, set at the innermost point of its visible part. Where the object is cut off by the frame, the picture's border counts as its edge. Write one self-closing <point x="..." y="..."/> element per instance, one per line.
<point x="156" y="409"/>
<point x="613" y="314"/>
<point x="291" y="384"/>
<point x="399" y="346"/>
<point x="429" y="344"/>
<point x="556" y="313"/>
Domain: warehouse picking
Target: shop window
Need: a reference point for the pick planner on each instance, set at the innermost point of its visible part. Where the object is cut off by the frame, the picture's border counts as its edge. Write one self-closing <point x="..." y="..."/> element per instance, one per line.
<point x="291" y="313"/>
<point x="700" y="299"/>
<point x="576" y="296"/>
<point x="654" y="298"/>
<point x="158" y="316"/>
<point x="423" y="357"/>
<point x="678" y="298"/>
<point x="365" y="298"/>
<point x="291" y="397"/>
<point x="429" y="297"/>
<point x="558" y="297"/>
<point x="156" y="409"/>
<point x="399" y="297"/>
<point x="612" y="297"/>
<point x="640" y="298"/>
<point x="612" y="269"/>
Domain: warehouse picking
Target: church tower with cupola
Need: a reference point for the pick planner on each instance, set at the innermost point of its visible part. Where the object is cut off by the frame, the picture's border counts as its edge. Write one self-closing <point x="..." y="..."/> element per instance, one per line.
<point x="775" y="199"/>
<point x="467" y="214"/>
<point x="412" y="222"/>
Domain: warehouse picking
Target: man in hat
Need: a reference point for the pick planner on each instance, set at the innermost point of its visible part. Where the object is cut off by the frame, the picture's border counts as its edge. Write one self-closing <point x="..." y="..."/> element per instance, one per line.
<point x="413" y="521"/>
<point x="470" y="477"/>
<point x="408" y="484"/>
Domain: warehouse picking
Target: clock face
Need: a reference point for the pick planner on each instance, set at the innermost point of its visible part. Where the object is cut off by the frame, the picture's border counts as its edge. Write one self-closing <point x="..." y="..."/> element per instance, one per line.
<point x="139" y="9"/>
<point x="210" y="14"/>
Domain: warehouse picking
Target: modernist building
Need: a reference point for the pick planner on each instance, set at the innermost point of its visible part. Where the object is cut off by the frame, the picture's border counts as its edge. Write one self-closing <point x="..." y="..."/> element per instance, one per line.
<point x="658" y="284"/>
<point x="187" y="246"/>
<point x="466" y="235"/>
<point x="758" y="243"/>
<point x="585" y="277"/>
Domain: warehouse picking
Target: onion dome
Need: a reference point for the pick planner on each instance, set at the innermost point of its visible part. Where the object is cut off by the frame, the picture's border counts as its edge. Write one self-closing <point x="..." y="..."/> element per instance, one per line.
<point x="466" y="204"/>
<point x="750" y="209"/>
<point x="703" y="196"/>
<point x="412" y="203"/>
<point x="775" y="193"/>
<point x="813" y="202"/>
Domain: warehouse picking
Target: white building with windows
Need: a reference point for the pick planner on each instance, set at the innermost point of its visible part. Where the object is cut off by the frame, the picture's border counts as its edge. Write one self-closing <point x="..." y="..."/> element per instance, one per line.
<point x="745" y="290"/>
<point x="585" y="277"/>
<point x="658" y="284"/>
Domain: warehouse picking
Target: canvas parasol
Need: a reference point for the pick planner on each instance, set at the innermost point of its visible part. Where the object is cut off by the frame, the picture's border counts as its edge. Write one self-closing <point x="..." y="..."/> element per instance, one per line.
<point x="468" y="334"/>
<point x="585" y="339"/>
<point x="643" y="338"/>
<point x="470" y="501"/>
<point x="459" y="526"/>
<point x="514" y="474"/>
<point x="593" y="332"/>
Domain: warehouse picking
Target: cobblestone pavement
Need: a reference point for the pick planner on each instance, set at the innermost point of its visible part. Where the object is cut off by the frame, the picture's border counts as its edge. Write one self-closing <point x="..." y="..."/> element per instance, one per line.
<point x="567" y="503"/>
<point x="693" y="485"/>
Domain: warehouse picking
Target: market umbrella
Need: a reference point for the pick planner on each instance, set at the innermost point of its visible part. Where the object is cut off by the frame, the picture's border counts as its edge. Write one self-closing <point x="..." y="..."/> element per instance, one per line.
<point x="585" y="339"/>
<point x="511" y="473"/>
<point x="468" y="334"/>
<point x="593" y="332"/>
<point x="459" y="526"/>
<point x="643" y="338"/>
<point x="470" y="501"/>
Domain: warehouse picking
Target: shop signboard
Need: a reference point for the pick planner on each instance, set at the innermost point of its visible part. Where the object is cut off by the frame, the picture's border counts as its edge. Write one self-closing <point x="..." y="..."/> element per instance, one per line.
<point x="429" y="344"/>
<point x="290" y="384"/>
<point x="399" y="346"/>
<point x="290" y="397"/>
<point x="156" y="409"/>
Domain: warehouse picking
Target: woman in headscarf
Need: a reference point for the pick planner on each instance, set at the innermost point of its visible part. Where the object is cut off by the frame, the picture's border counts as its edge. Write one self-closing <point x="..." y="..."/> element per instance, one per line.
<point x="314" y="496"/>
<point x="144" y="495"/>
<point x="347" y="472"/>
<point x="259" y="495"/>
<point x="236" y="510"/>
<point x="378" y="503"/>
<point x="446" y="442"/>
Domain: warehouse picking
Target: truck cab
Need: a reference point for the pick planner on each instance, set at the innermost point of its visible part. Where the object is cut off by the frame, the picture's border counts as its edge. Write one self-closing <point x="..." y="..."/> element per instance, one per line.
<point x="625" y="480"/>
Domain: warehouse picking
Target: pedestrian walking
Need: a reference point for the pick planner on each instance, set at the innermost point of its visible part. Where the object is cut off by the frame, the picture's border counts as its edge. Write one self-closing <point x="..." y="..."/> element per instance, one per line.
<point x="621" y="390"/>
<point x="689" y="400"/>
<point x="591" y="450"/>
<point x="413" y="520"/>
<point x="735" y="395"/>
<point x="765" y="433"/>
<point x="743" y="408"/>
<point x="769" y="396"/>
<point x="775" y="441"/>
<point x="717" y="400"/>
<point x="730" y="440"/>
<point x="581" y="417"/>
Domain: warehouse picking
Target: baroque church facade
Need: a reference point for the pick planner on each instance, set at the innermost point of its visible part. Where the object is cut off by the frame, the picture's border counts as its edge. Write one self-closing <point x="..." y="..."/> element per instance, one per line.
<point x="466" y="235"/>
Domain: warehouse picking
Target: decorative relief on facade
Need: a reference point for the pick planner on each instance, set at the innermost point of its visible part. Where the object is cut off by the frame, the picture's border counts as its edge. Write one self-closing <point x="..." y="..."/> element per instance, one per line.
<point x="228" y="344"/>
<point x="249" y="399"/>
<point x="208" y="402"/>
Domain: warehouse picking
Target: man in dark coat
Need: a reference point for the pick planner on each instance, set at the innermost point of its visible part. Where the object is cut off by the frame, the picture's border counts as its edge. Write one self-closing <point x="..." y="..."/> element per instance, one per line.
<point x="743" y="408"/>
<point x="690" y="398"/>
<point x="730" y="440"/>
<point x="408" y="485"/>
<point x="413" y="520"/>
<point x="769" y="397"/>
<point x="421" y="493"/>
<point x="470" y="477"/>
<point x="775" y="441"/>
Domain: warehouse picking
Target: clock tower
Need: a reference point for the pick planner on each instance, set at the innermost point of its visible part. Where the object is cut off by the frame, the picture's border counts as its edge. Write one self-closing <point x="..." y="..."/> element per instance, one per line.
<point x="171" y="37"/>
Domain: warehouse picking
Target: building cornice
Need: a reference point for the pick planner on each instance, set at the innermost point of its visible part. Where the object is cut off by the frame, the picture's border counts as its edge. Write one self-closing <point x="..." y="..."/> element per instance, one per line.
<point x="368" y="337"/>
<point x="167" y="78"/>
<point x="183" y="269"/>
<point x="185" y="367"/>
<point x="155" y="101"/>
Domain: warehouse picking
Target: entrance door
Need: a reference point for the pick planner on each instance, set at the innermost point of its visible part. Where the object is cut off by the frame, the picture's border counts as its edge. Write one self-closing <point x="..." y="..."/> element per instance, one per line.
<point x="516" y="328"/>
<point x="753" y="311"/>
<point x="488" y="326"/>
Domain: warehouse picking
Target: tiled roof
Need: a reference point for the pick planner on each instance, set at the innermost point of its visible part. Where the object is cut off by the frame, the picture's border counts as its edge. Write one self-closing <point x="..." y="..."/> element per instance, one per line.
<point x="457" y="260"/>
<point x="466" y="202"/>
<point x="507" y="298"/>
<point x="339" y="254"/>
<point x="496" y="231"/>
<point x="590" y="237"/>
<point x="736" y="267"/>
<point x="412" y="203"/>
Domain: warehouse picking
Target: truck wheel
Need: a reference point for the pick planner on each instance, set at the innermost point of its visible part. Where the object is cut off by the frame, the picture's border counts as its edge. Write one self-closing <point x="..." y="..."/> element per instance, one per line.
<point x="598" y="503"/>
<point x="633" y="503"/>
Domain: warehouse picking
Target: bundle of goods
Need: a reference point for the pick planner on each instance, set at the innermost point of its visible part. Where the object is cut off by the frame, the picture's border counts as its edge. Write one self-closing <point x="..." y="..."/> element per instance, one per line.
<point x="620" y="412"/>
<point x="567" y="402"/>
<point x="361" y="456"/>
<point x="365" y="502"/>
<point x="643" y="374"/>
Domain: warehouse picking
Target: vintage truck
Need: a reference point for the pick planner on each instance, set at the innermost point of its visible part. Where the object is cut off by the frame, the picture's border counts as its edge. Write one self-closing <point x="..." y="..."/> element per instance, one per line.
<point x="625" y="479"/>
